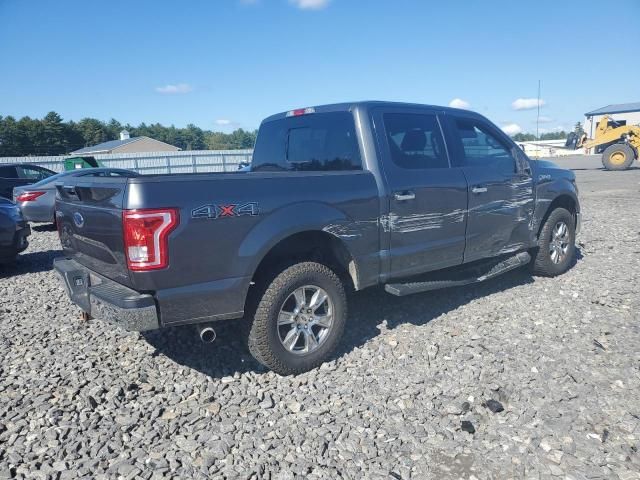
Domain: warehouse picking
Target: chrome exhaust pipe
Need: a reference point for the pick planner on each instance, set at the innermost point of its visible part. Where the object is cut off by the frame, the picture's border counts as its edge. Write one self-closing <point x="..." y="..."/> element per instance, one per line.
<point x="207" y="334"/>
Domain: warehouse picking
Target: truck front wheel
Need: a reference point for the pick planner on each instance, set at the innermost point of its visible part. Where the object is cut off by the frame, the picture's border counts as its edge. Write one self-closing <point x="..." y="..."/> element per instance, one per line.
<point x="557" y="244"/>
<point x="299" y="319"/>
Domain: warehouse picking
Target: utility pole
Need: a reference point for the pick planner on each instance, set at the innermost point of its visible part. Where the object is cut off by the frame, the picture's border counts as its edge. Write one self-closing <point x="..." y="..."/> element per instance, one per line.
<point x="538" y="116"/>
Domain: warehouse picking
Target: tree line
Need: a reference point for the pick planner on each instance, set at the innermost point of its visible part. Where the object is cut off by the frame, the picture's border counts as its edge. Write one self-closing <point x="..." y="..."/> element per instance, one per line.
<point x="53" y="136"/>
<point x="529" y="137"/>
<point x="561" y="135"/>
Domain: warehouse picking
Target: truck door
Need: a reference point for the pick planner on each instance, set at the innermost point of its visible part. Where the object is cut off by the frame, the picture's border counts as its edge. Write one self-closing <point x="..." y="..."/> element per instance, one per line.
<point x="500" y="188"/>
<point x="427" y="197"/>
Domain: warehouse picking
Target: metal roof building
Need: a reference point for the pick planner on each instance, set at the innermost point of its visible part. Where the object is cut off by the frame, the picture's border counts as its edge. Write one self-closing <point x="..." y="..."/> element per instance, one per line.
<point x="624" y="113"/>
<point x="127" y="144"/>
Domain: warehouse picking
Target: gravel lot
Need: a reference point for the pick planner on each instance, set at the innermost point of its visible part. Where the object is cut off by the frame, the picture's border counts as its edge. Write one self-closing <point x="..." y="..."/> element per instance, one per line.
<point x="414" y="378"/>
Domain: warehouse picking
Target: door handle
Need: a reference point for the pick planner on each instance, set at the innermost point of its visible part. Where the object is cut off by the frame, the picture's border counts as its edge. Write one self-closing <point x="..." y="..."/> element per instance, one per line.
<point x="478" y="190"/>
<point x="404" y="196"/>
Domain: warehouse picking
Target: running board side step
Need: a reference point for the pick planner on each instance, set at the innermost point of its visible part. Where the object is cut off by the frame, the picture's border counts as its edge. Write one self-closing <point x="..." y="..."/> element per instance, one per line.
<point x="402" y="289"/>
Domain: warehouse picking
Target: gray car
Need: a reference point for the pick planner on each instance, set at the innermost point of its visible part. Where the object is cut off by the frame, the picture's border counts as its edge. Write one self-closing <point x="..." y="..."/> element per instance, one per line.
<point x="37" y="201"/>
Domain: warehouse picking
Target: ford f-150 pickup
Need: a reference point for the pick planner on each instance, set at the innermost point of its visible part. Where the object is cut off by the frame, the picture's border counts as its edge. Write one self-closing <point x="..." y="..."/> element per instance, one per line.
<point x="338" y="198"/>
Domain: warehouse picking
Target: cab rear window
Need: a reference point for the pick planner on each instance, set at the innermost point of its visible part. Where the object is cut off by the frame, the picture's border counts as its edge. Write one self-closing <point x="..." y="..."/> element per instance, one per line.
<point x="314" y="142"/>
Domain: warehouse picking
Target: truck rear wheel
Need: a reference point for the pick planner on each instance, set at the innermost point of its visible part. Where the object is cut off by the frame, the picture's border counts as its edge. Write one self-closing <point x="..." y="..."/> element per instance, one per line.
<point x="618" y="156"/>
<point x="299" y="319"/>
<point x="557" y="244"/>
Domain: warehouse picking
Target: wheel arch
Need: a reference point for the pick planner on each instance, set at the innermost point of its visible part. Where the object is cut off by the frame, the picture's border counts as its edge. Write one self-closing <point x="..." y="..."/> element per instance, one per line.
<point x="564" y="200"/>
<point x="314" y="245"/>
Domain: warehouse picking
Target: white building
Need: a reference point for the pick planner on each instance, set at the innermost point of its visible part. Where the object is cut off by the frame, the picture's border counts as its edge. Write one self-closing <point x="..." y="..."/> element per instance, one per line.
<point x="625" y="113"/>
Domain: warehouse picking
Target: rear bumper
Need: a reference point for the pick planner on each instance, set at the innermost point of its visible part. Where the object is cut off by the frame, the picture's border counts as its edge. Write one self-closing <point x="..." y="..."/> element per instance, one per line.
<point x="107" y="300"/>
<point x="37" y="213"/>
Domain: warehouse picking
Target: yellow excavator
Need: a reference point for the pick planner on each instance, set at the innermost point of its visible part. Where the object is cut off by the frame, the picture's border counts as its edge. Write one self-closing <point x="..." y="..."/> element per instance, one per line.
<point x="622" y="143"/>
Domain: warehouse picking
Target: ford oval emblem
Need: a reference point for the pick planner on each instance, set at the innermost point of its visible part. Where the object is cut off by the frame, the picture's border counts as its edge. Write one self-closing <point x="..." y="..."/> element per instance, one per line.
<point x="78" y="219"/>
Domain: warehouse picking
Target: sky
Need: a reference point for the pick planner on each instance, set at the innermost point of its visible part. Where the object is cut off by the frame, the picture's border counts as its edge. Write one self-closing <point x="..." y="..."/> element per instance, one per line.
<point x="226" y="64"/>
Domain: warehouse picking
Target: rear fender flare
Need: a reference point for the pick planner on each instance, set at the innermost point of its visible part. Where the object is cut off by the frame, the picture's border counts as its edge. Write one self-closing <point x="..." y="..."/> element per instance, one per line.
<point x="283" y="223"/>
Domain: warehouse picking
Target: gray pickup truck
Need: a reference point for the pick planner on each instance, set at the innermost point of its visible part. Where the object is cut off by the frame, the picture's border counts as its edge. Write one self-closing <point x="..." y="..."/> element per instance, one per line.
<point x="339" y="197"/>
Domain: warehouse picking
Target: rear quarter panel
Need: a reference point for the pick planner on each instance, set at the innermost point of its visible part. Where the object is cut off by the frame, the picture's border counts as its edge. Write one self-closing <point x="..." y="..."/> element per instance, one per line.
<point x="212" y="260"/>
<point x="344" y="204"/>
<point x="40" y="210"/>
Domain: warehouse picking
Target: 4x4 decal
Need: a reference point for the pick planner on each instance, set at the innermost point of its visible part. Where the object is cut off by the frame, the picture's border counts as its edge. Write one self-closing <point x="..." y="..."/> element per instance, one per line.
<point x="226" y="210"/>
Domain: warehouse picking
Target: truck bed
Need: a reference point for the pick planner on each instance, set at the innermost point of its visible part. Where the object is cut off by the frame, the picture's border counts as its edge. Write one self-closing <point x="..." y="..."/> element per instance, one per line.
<point x="213" y="251"/>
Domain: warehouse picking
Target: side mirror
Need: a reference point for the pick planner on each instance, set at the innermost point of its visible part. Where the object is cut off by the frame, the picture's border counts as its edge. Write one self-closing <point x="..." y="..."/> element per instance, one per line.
<point x="522" y="163"/>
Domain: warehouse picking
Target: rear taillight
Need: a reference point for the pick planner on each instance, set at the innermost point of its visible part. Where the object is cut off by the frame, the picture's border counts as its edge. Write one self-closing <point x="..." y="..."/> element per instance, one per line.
<point x="29" y="196"/>
<point x="145" y="237"/>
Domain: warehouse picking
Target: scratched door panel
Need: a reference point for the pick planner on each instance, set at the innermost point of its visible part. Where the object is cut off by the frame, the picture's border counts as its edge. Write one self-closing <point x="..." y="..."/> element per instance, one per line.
<point x="501" y="197"/>
<point x="427" y="198"/>
<point x="499" y="219"/>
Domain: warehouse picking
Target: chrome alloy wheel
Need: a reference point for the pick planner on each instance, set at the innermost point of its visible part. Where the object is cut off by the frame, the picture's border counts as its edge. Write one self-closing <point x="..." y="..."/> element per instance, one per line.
<point x="305" y="319"/>
<point x="559" y="244"/>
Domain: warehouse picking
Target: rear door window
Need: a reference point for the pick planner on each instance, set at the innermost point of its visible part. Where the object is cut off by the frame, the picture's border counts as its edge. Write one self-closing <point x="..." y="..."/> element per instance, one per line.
<point x="313" y="142"/>
<point x="415" y="141"/>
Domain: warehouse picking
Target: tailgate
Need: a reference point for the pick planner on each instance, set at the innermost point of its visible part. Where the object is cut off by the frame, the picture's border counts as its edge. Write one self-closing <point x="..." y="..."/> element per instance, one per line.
<point x="89" y="218"/>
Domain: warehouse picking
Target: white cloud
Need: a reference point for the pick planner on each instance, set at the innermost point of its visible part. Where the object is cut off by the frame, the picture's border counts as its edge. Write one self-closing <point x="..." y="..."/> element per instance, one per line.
<point x="459" y="103"/>
<point x="310" y="4"/>
<point x="511" y="128"/>
<point x="544" y="119"/>
<point x="178" y="88"/>
<point x="225" y="123"/>
<point x="526" y="103"/>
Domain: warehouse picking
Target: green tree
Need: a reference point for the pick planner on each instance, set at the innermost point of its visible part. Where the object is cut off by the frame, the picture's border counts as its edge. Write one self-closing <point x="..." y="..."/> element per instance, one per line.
<point x="554" y="135"/>
<point x="53" y="136"/>
<point x="54" y="141"/>
<point x="11" y="137"/>
<point x="94" y="131"/>
<point x="523" y="137"/>
<point x="32" y="136"/>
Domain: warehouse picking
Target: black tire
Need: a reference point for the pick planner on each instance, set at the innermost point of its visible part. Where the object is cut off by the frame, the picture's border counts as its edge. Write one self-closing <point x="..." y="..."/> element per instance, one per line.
<point x="618" y="156"/>
<point x="264" y="338"/>
<point x="542" y="263"/>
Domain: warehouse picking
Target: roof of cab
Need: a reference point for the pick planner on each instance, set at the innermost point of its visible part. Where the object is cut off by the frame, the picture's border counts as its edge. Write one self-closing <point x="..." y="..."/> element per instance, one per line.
<point x="347" y="106"/>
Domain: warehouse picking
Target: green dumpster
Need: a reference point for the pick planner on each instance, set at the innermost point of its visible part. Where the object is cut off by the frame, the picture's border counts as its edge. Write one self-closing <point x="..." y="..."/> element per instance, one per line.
<point x="73" y="163"/>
